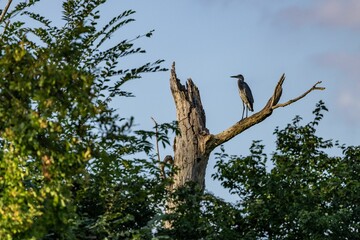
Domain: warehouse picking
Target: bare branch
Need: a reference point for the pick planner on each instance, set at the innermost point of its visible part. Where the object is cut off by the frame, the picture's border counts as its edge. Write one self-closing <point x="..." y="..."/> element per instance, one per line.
<point x="5" y="10"/>
<point x="167" y="159"/>
<point x="213" y="141"/>
<point x="315" y="87"/>
<point x="278" y="90"/>
<point x="156" y="139"/>
<point x="193" y="146"/>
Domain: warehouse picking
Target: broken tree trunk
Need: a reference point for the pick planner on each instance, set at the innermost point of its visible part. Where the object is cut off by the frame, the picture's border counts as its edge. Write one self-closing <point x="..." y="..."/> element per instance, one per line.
<point x="189" y="145"/>
<point x="194" y="143"/>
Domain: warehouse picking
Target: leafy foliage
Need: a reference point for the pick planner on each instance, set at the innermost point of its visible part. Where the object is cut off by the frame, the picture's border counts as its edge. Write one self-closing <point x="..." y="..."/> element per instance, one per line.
<point x="67" y="165"/>
<point x="306" y="195"/>
<point x="200" y="215"/>
<point x="63" y="167"/>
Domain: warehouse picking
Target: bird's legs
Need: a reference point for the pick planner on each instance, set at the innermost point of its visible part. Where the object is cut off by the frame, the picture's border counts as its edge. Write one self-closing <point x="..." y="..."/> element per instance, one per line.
<point x="242" y="117"/>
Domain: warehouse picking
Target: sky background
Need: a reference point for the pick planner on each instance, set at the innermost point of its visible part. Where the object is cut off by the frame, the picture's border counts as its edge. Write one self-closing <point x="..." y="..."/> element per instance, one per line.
<point x="211" y="40"/>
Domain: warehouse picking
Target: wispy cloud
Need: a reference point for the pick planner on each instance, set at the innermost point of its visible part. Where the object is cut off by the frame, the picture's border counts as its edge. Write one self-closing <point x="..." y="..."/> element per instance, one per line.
<point x="331" y="13"/>
<point x="348" y="65"/>
<point x="349" y="103"/>
<point x="346" y="62"/>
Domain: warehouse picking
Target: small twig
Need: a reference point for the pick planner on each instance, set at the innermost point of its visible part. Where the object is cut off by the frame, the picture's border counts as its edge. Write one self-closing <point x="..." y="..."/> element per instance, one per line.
<point x="315" y="87"/>
<point x="5" y="10"/>
<point x="157" y="142"/>
<point x="167" y="159"/>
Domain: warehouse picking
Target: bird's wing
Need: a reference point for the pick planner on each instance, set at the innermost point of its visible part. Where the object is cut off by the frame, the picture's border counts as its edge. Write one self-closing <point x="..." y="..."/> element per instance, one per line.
<point x="248" y="93"/>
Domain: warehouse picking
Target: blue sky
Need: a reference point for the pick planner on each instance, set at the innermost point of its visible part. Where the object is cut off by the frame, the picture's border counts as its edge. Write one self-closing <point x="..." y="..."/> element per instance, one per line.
<point x="211" y="40"/>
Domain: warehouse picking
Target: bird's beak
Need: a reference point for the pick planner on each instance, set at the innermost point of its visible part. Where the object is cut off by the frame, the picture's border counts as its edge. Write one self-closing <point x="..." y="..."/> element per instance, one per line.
<point x="233" y="76"/>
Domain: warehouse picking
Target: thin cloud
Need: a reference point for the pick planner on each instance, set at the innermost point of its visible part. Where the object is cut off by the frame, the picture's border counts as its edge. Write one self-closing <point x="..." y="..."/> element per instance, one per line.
<point x="348" y="65"/>
<point x="330" y="13"/>
<point x="348" y="100"/>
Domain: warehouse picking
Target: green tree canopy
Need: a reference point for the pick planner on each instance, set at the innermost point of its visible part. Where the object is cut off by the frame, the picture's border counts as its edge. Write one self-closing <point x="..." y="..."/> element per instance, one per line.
<point x="307" y="194"/>
<point x="67" y="163"/>
<point x="64" y="166"/>
<point x="299" y="192"/>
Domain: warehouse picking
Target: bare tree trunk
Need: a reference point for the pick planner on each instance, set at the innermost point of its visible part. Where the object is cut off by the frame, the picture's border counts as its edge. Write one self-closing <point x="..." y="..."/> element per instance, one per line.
<point x="189" y="150"/>
<point x="192" y="147"/>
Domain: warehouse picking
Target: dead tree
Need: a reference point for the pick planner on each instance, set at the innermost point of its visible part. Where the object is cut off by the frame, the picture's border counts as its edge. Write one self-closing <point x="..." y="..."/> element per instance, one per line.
<point x="192" y="147"/>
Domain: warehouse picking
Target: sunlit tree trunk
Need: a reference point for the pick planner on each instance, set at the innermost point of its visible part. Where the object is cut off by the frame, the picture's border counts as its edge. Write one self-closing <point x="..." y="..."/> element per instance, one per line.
<point x="194" y="143"/>
<point x="190" y="155"/>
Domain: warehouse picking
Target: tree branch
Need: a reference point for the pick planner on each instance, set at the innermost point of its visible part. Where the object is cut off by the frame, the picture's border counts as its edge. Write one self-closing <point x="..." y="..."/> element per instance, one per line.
<point x="300" y="97"/>
<point x="157" y="148"/>
<point x="156" y="138"/>
<point x="167" y="159"/>
<point x="213" y="141"/>
<point x="5" y="10"/>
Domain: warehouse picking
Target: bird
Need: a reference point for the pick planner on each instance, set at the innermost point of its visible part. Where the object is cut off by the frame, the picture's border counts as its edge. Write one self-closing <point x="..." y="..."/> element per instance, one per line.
<point x="245" y="95"/>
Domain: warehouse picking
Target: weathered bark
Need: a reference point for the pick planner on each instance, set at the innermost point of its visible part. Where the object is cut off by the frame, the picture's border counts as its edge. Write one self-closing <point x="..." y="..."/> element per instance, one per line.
<point x="192" y="147"/>
<point x="189" y="148"/>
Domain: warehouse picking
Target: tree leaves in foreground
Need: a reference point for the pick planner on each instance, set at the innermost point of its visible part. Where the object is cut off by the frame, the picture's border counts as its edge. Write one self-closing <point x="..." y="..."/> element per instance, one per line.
<point x="300" y="192"/>
<point x="64" y="172"/>
<point x="67" y="165"/>
<point x="307" y="194"/>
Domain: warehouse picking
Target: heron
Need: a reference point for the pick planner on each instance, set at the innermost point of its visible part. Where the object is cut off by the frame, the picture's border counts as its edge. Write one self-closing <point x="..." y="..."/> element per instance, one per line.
<point x="245" y="94"/>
